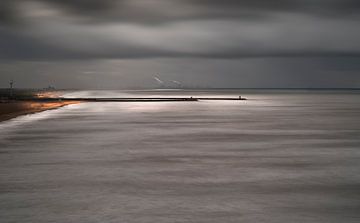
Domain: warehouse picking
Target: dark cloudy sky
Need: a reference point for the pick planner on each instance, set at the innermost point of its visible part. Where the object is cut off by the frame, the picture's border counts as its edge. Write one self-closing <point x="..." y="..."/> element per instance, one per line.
<point x="209" y="43"/>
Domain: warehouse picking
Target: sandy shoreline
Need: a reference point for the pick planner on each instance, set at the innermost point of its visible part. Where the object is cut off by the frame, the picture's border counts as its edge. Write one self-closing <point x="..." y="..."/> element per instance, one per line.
<point x="10" y="110"/>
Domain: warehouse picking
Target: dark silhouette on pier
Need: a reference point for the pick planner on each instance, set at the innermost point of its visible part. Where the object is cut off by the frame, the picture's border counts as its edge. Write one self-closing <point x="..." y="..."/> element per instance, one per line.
<point x="155" y="99"/>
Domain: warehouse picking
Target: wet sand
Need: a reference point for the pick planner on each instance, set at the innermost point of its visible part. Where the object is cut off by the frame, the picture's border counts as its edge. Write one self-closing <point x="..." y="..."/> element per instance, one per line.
<point x="13" y="109"/>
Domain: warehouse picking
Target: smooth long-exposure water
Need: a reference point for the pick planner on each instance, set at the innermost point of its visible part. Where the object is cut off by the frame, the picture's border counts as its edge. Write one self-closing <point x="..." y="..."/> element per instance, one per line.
<point x="281" y="156"/>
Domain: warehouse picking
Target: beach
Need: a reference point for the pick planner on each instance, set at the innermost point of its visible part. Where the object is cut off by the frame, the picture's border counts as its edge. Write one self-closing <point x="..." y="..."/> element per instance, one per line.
<point x="12" y="109"/>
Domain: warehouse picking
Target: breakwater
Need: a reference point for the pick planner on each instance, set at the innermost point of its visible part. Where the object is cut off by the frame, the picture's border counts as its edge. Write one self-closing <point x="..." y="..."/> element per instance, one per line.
<point x="155" y="99"/>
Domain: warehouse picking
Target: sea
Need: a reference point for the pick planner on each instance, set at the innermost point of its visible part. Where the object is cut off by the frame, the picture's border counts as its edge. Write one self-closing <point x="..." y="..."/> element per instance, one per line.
<point x="280" y="156"/>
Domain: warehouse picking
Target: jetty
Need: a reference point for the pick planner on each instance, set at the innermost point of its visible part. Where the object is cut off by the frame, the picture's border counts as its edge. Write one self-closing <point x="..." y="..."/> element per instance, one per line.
<point x="148" y="99"/>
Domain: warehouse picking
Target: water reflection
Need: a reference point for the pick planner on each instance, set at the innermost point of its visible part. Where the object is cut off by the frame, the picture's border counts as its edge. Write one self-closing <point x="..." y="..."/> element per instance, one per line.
<point x="273" y="158"/>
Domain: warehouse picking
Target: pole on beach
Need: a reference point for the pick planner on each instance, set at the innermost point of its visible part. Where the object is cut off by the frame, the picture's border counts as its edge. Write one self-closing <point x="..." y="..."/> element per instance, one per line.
<point x="11" y="88"/>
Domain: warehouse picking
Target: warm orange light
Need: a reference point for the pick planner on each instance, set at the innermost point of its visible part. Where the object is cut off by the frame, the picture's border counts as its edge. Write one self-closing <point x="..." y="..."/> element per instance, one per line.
<point x="47" y="105"/>
<point x="47" y="95"/>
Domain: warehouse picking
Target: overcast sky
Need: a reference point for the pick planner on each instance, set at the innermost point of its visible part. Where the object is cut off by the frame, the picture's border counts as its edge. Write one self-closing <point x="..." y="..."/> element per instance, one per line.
<point x="121" y="44"/>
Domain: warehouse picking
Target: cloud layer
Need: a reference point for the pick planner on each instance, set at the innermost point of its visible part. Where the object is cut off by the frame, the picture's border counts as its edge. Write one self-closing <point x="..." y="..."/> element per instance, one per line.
<point x="103" y="29"/>
<point x="217" y="43"/>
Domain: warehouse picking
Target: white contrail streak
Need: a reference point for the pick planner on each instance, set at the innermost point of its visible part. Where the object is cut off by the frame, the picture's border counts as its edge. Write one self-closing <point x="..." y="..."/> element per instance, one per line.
<point x="159" y="81"/>
<point x="176" y="82"/>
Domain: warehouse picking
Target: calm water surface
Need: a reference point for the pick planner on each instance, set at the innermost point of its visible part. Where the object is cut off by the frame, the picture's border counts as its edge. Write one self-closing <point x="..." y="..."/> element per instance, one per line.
<point x="278" y="157"/>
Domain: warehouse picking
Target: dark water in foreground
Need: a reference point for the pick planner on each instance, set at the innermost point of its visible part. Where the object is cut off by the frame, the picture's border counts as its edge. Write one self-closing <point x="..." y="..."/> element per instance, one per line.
<point x="278" y="157"/>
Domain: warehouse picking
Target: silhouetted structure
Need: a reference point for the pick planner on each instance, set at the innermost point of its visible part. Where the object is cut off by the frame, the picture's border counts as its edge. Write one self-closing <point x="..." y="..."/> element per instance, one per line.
<point x="162" y="99"/>
<point x="11" y="89"/>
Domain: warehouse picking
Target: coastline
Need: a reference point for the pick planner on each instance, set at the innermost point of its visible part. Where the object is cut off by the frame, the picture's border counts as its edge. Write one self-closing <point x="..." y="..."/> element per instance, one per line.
<point x="13" y="109"/>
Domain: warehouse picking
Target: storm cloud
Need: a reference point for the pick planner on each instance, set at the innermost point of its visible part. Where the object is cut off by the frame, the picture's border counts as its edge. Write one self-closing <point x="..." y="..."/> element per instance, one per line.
<point x="77" y="29"/>
<point x="84" y="30"/>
